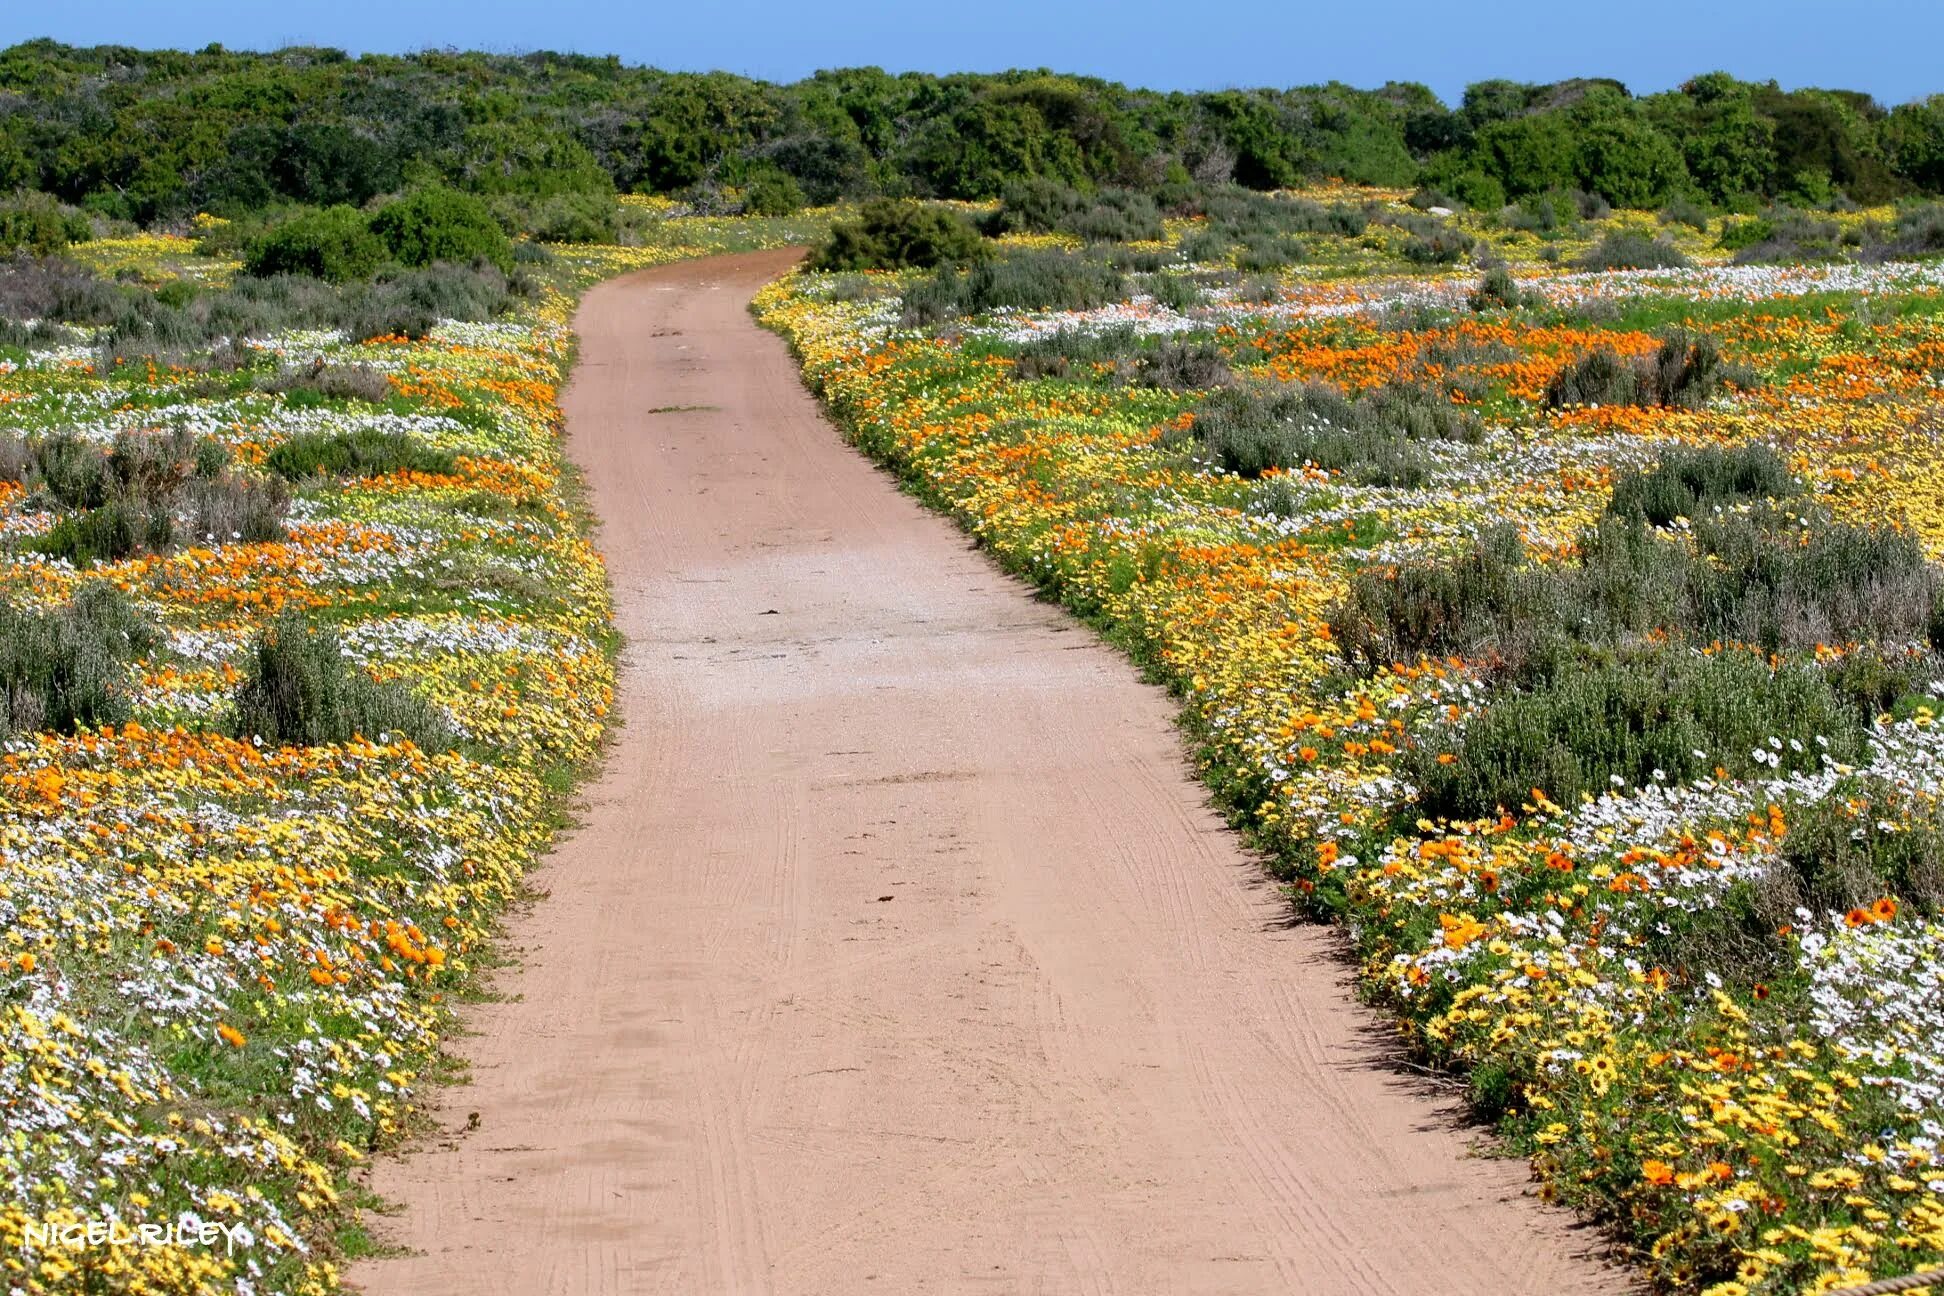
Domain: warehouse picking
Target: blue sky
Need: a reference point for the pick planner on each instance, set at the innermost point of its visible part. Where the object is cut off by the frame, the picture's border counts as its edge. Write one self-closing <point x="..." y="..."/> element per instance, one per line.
<point x="1887" y="47"/>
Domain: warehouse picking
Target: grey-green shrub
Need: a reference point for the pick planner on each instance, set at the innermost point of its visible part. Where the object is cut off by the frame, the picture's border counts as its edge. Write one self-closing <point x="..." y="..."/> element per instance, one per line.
<point x="300" y="690"/>
<point x="1042" y="279"/>
<point x="889" y="234"/>
<point x="66" y="668"/>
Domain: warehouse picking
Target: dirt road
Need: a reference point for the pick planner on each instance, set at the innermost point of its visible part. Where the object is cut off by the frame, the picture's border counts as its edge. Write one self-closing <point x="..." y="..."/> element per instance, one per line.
<point x="899" y="952"/>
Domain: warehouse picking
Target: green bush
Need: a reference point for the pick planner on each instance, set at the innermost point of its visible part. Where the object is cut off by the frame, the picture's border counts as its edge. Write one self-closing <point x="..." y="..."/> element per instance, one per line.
<point x="1035" y="280"/>
<point x="1737" y="235"/>
<point x="898" y="235"/>
<point x="126" y="501"/>
<point x="1791" y="238"/>
<point x="67" y="668"/>
<point x="1842" y="851"/>
<point x="1542" y="213"/>
<point x="412" y="302"/>
<point x="1170" y="363"/>
<point x="1690" y="482"/>
<point x="1498" y="290"/>
<point x="1919" y="232"/>
<point x="299" y="690"/>
<point x="1641" y="718"/>
<point x="1478" y="191"/>
<point x="1175" y="292"/>
<point x="1045" y="206"/>
<point x="772" y="193"/>
<point x="1431" y="241"/>
<point x="1627" y="250"/>
<point x="320" y="381"/>
<point x="1372" y="438"/>
<point x="36" y="225"/>
<point x="1686" y="372"/>
<point x="1685" y="211"/>
<point x="54" y="288"/>
<point x="439" y="224"/>
<point x="116" y="530"/>
<point x="1755" y="577"/>
<point x="335" y="244"/>
<point x="559" y="218"/>
<point x="362" y="452"/>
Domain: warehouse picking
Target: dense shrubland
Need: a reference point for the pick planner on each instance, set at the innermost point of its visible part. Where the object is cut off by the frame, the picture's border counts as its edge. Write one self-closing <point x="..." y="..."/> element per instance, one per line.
<point x="154" y="135"/>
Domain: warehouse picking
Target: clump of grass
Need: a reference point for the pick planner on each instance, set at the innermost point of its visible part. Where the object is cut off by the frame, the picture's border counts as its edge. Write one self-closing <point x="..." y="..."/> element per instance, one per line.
<point x="299" y="689"/>
<point x="128" y="500"/>
<point x="411" y="303"/>
<point x="1842" y="853"/>
<point x="1785" y="237"/>
<point x="1432" y="241"/>
<point x="1919" y="232"/>
<point x="1755" y="578"/>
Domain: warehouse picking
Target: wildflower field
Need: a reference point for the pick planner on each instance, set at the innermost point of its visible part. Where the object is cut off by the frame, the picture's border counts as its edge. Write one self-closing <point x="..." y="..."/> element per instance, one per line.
<point x="1567" y="633"/>
<point x="226" y="961"/>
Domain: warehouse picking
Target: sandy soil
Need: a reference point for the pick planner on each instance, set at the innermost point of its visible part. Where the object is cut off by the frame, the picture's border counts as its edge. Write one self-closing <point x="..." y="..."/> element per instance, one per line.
<point x="899" y="951"/>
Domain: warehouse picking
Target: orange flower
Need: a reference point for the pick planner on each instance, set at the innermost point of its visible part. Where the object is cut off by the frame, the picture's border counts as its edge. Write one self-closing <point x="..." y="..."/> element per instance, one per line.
<point x="231" y="1036"/>
<point x="1658" y="1173"/>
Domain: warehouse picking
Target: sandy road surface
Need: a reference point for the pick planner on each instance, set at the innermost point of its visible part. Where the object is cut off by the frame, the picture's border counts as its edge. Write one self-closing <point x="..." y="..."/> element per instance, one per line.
<point x="898" y="951"/>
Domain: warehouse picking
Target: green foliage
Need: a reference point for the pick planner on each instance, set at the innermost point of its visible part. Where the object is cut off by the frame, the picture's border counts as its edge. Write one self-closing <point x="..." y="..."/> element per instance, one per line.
<point x="1498" y="290"/>
<point x="116" y="530"/>
<point x="1619" y="156"/>
<point x="1126" y="358"/>
<point x="363" y="452"/>
<point x="67" y="669"/>
<point x="1754" y="577"/>
<point x="1035" y="280"/>
<point x="893" y="235"/>
<point x="335" y="244"/>
<point x="410" y="303"/>
<point x="439" y="224"/>
<point x="299" y="689"/>
<point x="1477" y="190"/>
<point x="1109" y="216"/>
<point x="1919" y="232"/>
<point x="35" y="224"/>
<point x="1686" y="372"/>
<point x="1628" y="250"/>
<point x="1375" y="439"/>
<point x="1692" y="482"/>
<point x="1636" y="719"/>
<point x="559" y="218"/>
<point x="146" y="136"/>
<point x="1871" y="840"/>
<point x="1786" y="237"/>
<point x="772" y="193"/>
<point x="1432" y="242"/>
<point x="126" y="501"/>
